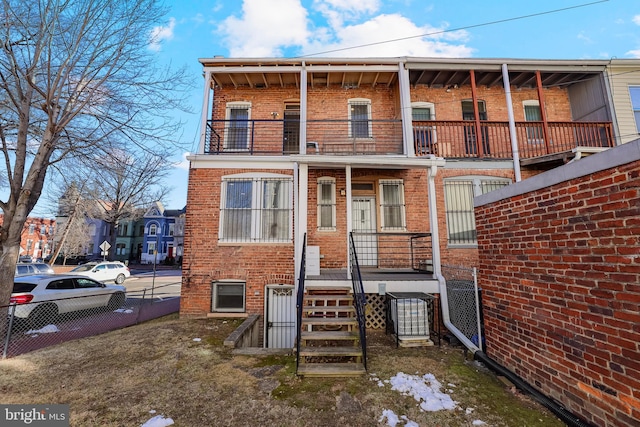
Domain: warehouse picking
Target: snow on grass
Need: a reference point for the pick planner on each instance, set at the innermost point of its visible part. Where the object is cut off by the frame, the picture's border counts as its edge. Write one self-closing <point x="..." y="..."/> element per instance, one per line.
<point x="197" y="339"/>
<point x="49" y="329"/>
<point x="425" y="390"/>
<point x="123" y="310"/>
<point x="158" y="421"/>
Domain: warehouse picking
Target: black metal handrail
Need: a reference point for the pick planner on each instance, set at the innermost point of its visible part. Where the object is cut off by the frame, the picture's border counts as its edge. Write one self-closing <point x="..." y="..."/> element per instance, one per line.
<point x="359" y="298"/>
<point x="300" y="299"/>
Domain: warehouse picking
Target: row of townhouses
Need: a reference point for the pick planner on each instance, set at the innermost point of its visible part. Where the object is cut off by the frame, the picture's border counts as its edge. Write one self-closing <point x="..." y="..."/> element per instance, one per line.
<point x="322" y="172"/>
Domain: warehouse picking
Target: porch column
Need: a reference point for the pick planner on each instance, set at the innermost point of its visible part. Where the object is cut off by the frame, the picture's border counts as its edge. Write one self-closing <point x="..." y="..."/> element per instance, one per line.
<point x="476" y="114"/>
<point x="433" y="219"/>
<point x="347" y="171"/>
<point x="303" y="109"/>
<point x="543" y="113"/>
<point x="405" y="108"/>
<point x="512" y="123"/>
<point x="205" y="110"/>
<point x="300" y="213"/>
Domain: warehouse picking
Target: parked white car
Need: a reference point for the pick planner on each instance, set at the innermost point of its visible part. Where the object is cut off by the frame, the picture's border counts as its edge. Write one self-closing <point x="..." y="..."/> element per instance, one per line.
<point x="40" y="298"/>
<point x="107" y="271"/>
<point x="24" y="269"/>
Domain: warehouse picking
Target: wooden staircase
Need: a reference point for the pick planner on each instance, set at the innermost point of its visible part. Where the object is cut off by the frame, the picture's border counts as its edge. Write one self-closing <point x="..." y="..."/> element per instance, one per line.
<point x="329" y="339"/>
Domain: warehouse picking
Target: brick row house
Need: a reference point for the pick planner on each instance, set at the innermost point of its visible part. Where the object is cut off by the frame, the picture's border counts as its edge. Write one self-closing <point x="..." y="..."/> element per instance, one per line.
<point x="36" y="238"/>
<point x="323" y="159"/>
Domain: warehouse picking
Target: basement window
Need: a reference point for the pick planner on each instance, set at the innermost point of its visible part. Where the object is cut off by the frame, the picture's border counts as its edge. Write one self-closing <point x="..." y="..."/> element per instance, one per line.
<point x="228" y="297"/>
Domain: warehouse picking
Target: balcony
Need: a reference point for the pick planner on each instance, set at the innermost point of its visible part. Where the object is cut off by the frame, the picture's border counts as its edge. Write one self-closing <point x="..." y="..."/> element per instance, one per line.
<point x="457" y="139"/>
<point x="282" y="137"/>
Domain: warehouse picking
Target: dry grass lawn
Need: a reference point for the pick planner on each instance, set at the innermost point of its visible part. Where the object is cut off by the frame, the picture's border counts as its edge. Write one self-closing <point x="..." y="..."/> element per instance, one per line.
<point x="116" y="379"/>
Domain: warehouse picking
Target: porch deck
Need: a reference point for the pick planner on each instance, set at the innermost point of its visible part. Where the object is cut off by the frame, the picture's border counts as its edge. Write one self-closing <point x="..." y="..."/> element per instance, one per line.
<point x="378" y="281"/>
<point x="373" y="274"/>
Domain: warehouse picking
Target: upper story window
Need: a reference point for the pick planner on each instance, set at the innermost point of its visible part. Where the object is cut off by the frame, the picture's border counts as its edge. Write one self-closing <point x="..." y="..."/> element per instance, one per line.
<point x="236" y="135"/>
<point x="424" y="135"/>
<point x="392" y="205"/>
<point x="326" y="204"/>
<point x="153" y="230"/>
<point x="458" y="199"/>
<point x="532" y="113"/>
<point x="634" y="92"/>
<point x="32" y="228"/>
<point x="171" y="229"/>
<point x="256" y="208"/>
<point x="43" y="229"/>
<point x="92" y="230"/>
<point x="360" y="118"/>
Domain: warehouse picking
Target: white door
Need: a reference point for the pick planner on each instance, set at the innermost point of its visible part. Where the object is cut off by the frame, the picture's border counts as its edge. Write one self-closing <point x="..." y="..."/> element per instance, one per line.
<point x="363" y="220"/>
<point x="281" y="317"/>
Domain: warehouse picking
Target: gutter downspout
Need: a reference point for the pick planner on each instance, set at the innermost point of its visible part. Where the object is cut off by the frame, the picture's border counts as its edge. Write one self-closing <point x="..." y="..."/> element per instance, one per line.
<point x="437" y="269"/>
<point x="512" y="123"/>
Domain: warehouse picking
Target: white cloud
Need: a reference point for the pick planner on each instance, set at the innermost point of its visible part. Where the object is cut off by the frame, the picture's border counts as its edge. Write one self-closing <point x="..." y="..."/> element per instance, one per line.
<point x="634" y="53"/>
<point x="373" y="35"/>
<point x="636" y="19"/>
<point x="160" y="34"/>
<point x="183" y="163"/>
<point x="265" y="28"/>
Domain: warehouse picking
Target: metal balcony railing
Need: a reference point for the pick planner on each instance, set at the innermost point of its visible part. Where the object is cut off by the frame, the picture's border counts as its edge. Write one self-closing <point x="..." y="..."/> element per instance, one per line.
<point x="394" y="251"/>
<point x="457" y="139"/>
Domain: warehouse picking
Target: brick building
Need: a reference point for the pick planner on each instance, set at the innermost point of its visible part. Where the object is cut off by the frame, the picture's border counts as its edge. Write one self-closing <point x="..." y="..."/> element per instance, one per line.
<point x="560" y="274"/>
<point x="313" y="158"/>
<point x="36" y="240"/>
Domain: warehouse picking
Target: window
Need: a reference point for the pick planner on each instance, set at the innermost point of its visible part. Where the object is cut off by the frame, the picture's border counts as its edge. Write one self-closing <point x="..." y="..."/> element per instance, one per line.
<point x="458" y="199"/>
<point x="153" y="230"/>
<point x="424" y="136"/>
<point x="171" y="229"/>
<point x="92" y="230"/>
<point x="532" y="114"/>
<point x="151" y="248"/>
<point x="470" y="140"/>
<point x="256" y="209"/>
<point x="32" y="228"/>
<point x="29" y="245"/>
<point x="83" y="283"/>
<point x="121" y="249"/>
<point x="326" y="204"/>
<point x="123" y="229"/>
<point x="634" y="92"/>
<point x="228" y="296"/>
<point x="43" y="229"/>
<point x="236" y="136"/>
<point x="360" y="118"/>
<point x="392" y="205"/>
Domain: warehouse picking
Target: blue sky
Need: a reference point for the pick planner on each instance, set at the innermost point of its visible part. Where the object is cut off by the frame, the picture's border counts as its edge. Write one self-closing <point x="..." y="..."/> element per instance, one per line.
<point x="290" y="28"/>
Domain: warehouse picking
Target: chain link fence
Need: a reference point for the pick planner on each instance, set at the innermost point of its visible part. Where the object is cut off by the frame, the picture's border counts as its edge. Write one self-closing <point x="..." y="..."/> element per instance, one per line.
<point x="32" y="326"/>
<point x="465" y="302"/>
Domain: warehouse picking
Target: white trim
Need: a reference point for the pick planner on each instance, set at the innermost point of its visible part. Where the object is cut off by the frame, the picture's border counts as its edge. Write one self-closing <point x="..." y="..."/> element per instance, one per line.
<point x="323" y="181"/>
<point x="403" y="219"/>
<point x="235" y="105"/>
<point x="367" y="103"/>
<point x="214" y="294"/>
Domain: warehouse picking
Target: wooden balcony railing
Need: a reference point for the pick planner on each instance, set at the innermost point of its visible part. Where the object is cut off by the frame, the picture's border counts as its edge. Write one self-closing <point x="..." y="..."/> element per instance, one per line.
<point x="444" y="138"/>
<point x="457" y="139"/>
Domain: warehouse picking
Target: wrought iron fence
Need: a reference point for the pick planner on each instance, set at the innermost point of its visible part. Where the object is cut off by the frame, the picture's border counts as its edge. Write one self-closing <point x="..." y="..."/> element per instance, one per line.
<point x="48" y="323"/>
<point x="465" y="302"/>
<point x="394" y="250"/>
<point x="359" y="298"/>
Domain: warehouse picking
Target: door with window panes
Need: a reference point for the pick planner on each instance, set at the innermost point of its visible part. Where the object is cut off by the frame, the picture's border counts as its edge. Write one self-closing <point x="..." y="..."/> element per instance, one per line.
<point x="363" y="222"/>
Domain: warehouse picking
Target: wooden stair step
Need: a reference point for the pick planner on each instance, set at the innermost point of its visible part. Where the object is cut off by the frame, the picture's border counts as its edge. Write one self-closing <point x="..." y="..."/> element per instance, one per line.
<point x="337" y="290"/>
<point x="325" y="298"/>
<point x="332" y="321"/>
<point x="331" y="370"/>
<point x="330" y="351"/>
<point x="330" y="308"/>
<point x="330" y="335"/>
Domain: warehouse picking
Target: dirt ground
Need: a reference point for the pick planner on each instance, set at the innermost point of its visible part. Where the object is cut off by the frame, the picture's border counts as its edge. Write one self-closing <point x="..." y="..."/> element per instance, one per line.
<point x="179" y="369"/>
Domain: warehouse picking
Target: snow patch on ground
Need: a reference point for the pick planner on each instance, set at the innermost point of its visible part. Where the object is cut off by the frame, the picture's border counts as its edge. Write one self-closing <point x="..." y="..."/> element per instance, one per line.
<point x="49" y="329"/>
<point x="197" y="339"/>
<point x="158" y="421"/>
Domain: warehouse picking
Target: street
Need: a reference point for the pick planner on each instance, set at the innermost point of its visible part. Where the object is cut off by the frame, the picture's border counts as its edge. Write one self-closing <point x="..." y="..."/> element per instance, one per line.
<point x="161" y="284"/>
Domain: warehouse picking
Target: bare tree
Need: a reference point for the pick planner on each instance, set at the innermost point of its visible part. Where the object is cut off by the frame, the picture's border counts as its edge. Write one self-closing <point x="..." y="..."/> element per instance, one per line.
<point x="76" y="79"/>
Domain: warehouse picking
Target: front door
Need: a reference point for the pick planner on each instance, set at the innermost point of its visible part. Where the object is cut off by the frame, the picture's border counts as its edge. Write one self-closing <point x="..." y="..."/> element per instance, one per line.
<point x="364" y="226"/>
<point x="291" y="130"/>
<point x="281" y="317"/>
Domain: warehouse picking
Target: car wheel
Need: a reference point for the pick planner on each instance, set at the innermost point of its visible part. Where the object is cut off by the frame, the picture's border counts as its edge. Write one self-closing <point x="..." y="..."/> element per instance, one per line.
<point x="116" y="301"/>
<point x="42" y="315"/>
<point x="120" y="279"/>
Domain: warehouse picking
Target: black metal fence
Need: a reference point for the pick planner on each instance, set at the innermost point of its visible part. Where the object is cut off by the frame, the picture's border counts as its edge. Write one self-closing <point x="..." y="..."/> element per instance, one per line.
<point x="395" y="251"/>
<point x="22" y="333"/>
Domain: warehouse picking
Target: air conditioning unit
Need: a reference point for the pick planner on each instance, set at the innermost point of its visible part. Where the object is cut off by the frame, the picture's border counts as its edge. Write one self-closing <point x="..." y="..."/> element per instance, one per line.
<point x="410" y="318"/>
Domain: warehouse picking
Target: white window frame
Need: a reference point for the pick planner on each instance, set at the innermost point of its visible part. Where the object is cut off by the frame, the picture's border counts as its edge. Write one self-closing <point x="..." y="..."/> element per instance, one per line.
<point x="171" y="229"/>
<point x="360" y="101"/>
<point x="635" y="109"/>
<point x="383" y="221"/>
<point x="236" y="105"/>
<point x="465" y="212"/>
<point x="417" y="130"/>
<point x="529" y="131"/>
<point x="215" y="308"/>
<point x="153" y="229"/>
<point x="257" y="209"/>
<point x="151" y="248"/>
<point x="324" y="203"/>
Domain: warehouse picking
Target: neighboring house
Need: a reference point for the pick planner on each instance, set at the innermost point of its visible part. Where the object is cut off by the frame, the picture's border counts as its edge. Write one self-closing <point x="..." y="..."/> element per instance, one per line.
<point x="37" y="237"/>
<point x="160" y="241"/>
<point x="624" y="79"/>
<point x="560" y="276"/>
<point x="129" y="240"/>
<point x="381" y="158"/>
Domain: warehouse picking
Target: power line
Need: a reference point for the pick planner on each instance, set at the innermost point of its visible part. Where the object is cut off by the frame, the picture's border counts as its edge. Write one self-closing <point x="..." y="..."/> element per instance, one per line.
<point x="484" y="24"/>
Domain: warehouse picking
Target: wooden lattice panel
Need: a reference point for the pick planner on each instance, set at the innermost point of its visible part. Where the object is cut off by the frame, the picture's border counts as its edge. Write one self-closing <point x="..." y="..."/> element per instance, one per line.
<point x="375" y="312"/>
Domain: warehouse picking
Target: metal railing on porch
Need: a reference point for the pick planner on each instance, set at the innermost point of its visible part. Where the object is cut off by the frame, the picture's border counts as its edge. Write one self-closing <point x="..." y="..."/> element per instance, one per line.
<point x="457" y="139"/>
<point x="359" y="298"/>
<point x="394" y="250"/>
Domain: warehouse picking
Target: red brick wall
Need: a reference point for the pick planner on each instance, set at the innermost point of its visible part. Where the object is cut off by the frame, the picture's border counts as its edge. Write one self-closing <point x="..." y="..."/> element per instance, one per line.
<point x="258" y="264"/>
<point x="560" y="273"/>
